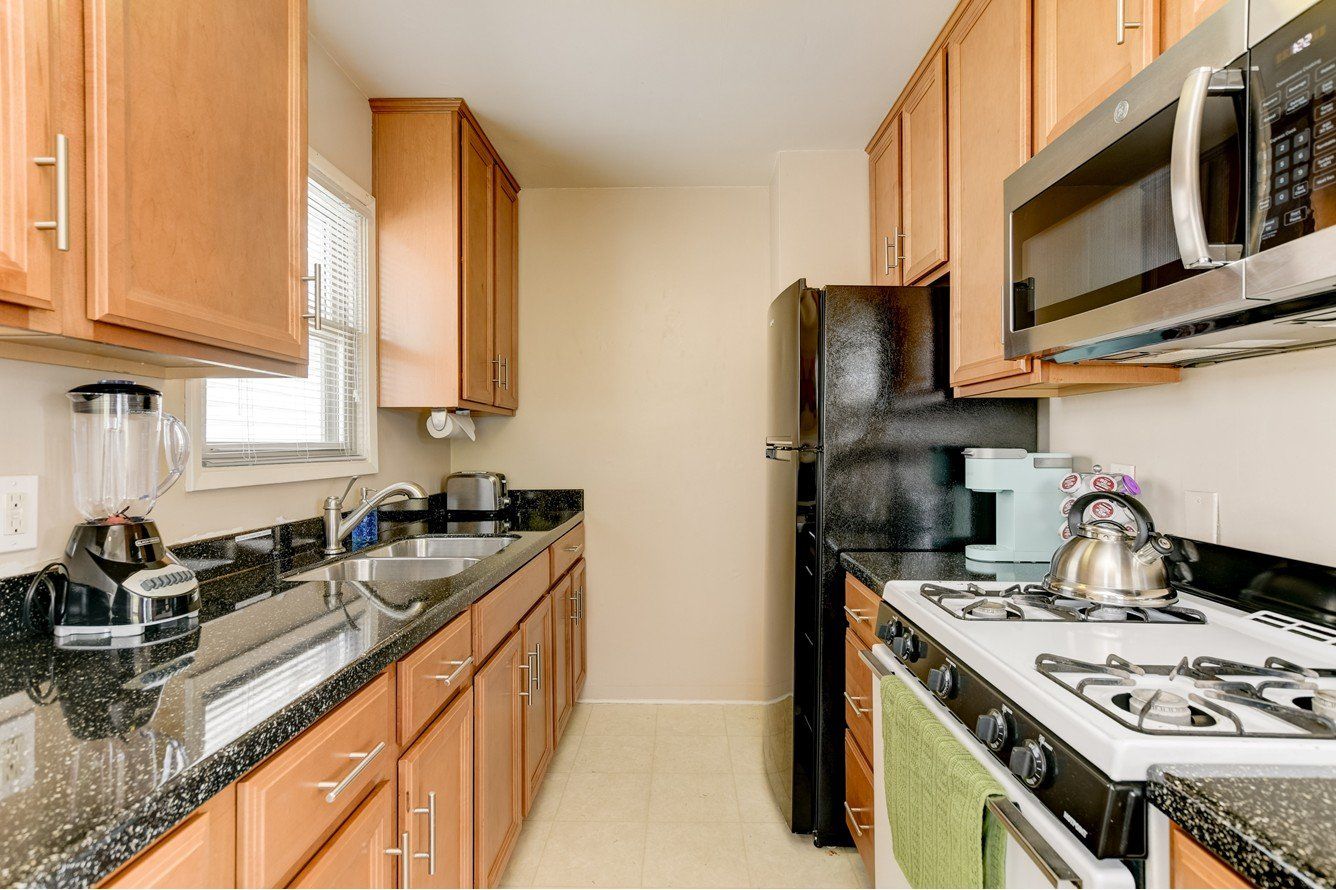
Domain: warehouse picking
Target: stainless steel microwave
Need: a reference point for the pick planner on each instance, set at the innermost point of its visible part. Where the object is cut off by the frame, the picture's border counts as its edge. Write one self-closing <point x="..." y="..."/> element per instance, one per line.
<point x="1191" y="217"/>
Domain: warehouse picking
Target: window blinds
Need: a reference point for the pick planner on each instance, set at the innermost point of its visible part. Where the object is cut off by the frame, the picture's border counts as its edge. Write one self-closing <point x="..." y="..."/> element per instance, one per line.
<point x="249" y="422"/>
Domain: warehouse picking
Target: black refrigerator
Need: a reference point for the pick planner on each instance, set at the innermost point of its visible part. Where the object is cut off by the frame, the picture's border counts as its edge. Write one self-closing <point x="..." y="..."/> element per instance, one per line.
<point x="864" y="443"/>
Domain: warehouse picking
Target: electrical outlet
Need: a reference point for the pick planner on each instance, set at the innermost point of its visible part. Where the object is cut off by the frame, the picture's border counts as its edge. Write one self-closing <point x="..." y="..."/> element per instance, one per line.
<point x="1201" y="516"/>
<point x="1125" y="469"/>
<point x="18" y="513"/>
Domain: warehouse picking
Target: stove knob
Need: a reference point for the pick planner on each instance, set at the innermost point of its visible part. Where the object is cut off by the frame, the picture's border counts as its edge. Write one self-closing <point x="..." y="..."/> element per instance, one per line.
<point x="890" y="630"/>
<point x="991" y="729"/>
<point x="1029" y="763"/>
<point x="907" y="647"/>
<point x="942" y="681"/>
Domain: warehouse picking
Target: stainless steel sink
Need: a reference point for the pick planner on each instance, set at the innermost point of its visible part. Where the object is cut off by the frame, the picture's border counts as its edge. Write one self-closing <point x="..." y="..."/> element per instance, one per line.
<point x="435" y="547"/>
<point x="385" y="568"/>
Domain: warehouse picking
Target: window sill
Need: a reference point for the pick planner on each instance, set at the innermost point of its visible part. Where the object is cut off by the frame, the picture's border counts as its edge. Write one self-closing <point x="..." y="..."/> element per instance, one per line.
<point x="201" y="478"/>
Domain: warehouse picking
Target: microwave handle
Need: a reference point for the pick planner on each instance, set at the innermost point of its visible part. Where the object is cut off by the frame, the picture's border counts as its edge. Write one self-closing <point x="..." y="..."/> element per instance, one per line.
<point x="1185" y="169"/>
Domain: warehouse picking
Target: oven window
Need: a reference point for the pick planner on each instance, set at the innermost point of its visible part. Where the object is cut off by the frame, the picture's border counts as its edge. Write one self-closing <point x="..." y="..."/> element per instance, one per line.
<point x="1105" y="232"/>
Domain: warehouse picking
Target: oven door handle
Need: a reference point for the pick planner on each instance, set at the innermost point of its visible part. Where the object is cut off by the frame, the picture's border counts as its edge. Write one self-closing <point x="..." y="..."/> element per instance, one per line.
<point x="1040" y="851"/>
<point x="1185" y="168"/>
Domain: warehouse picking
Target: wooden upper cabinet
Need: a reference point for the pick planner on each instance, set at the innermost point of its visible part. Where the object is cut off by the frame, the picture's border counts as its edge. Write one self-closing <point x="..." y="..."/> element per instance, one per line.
<point x="989" y="126"/>
<point x="1078" y="61"/>
<point x="498" y="768"/>
<point x="923" y="173"/>
<point x="538" y="726"/>
<point x="505" y="262"/>
<point x="196" y="172"/>
<point x="447" y="242"/>
<point x="884" y="182"/>
<point x="29" y="129"/>
<point x="436" y="794"/>
<point x="200" y="852"/>
<point x="1178" y="17"/>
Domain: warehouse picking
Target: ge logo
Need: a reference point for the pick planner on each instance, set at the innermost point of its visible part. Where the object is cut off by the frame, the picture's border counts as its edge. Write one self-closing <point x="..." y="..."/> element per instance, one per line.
<point x="1120" y="112"/>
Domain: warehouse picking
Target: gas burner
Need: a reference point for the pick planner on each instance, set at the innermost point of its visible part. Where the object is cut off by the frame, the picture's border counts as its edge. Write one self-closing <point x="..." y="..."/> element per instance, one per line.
<point x="1207" y="696"/>
<point x="1032" y="602"/>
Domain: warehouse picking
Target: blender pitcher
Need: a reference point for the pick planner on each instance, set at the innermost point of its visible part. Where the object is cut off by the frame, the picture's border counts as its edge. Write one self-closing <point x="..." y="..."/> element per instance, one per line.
<point x="118" y="431"/>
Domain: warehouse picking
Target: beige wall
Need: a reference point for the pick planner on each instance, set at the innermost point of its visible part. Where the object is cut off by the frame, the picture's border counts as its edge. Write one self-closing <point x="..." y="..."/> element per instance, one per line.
<point x="1260" y="432"/>
<point x="642" y="366"/>
<point x="34" y="437"/>
<point x="819" y="218"/>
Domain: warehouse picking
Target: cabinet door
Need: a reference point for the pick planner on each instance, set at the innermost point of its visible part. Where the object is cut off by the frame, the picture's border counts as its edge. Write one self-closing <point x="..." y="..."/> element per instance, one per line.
<point x="580" y="635"/>
<point x="884" y="176"/>
<point x="563" y="625"/>
<point x="1178" y="17"/>
<point x="1192" y="865"/>
<point x="989" y="130"/>
<point x="476" y="340"/>
<point x="28" y="108"/>
<point x="923" y="173"/>
<point x="196" y="171"/>
<point x="200" y="852"/>
<point x="537" y="633"/>
<point x="436" y="795"/>
<point x="498" y="760"/>
<point x="363" y="852"/>
<point x="1078" y="61"/>
<point x="507" y="292"/>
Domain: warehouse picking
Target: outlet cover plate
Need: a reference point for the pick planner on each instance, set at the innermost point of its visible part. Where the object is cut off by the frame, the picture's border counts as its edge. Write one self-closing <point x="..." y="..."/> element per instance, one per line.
<point x="1201" y="516"/>
<point x="18" y="493"/>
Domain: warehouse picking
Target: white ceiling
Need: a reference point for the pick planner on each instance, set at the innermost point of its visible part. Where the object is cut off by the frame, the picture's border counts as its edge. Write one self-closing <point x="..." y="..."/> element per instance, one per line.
<point x="584" y="93"/>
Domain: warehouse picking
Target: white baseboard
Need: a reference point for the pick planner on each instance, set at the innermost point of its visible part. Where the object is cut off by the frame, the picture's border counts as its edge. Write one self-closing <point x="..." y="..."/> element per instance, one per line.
<point x="680" y="701"/>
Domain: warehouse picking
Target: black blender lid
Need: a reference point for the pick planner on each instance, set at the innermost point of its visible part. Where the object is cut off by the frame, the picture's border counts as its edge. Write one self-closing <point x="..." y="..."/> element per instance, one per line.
<point x="114" y="387"/>
<point x="136" y="396"/>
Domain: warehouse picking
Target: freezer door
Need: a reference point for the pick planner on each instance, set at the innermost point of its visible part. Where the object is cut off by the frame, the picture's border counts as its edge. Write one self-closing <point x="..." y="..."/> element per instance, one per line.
<point x="793" y="336"/>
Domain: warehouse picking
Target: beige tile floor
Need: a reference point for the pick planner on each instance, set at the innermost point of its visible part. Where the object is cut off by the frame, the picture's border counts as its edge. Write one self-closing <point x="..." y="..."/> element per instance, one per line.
<point x="666" y="796"/>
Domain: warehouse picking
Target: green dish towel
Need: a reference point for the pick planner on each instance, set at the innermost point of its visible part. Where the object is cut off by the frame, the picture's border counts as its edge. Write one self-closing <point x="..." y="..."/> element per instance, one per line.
<point x="936" y="792"/>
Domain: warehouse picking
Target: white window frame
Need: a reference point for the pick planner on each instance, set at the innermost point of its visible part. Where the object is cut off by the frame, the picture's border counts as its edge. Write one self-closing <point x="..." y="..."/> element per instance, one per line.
<point x="201" y="478"/>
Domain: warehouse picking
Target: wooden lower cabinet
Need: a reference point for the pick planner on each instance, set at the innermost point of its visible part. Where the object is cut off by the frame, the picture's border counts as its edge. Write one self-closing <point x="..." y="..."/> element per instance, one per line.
<point x="1193" y="866"/>
<point x="200" y="852"/>
<point x="858" y="800"/>
<point x="579" y="632"/>
<point x="563" y="638"/>
<point x="498" y="766"/>
<point x="363" y="852"/>
<point x="538" y="711"/>
<point x="436" y="795"/>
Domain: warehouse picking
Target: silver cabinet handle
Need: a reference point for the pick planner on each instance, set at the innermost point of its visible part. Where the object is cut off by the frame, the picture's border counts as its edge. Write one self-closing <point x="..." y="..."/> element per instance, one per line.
<point x="61" y="161"/>
<point x="576" y="548"/>
<point x="1123" y="25"/>
<point x="577" y="604"/>
<point x="319" y="278"/>
<point x="364" y="759"/>
<point x="886" y="255"/>
<point x="1185" y="169"/>
<point x="527" y="666"/>
<point x="536" y="667"/>
<point x="853" y="703"/>
<point x="496" y="371"/>
<point x="900" y="246"/>
<point x="1039" y="850"/>
<point x="449" y="678"/>
<point x="404" y="852"/>
<point x="855" y="614"/>
<point x="505" y="372"/>
<point x="430" y="812"/>
<point x="853" y="818"/>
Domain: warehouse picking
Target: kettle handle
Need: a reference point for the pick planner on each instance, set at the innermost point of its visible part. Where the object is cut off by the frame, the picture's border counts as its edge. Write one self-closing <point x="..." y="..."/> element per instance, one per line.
<point x="178" y="451"/>
<point x="1145" y="526"/>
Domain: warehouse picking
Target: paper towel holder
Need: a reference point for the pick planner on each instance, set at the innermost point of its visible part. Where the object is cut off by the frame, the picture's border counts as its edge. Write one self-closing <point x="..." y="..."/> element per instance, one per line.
<point x="444" y="423"/>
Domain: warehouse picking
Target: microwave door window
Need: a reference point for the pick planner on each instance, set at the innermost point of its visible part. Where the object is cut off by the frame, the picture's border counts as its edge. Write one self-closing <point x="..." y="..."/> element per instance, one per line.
<point x="1105" y="232"/>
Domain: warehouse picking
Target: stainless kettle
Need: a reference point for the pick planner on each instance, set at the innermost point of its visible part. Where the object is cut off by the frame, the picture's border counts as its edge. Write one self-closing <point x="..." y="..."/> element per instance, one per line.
<point x="1103" y="563"/>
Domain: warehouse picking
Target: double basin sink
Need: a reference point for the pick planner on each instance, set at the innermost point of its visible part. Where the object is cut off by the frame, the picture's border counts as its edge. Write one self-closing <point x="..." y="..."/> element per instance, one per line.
<point x="414" y="559"/>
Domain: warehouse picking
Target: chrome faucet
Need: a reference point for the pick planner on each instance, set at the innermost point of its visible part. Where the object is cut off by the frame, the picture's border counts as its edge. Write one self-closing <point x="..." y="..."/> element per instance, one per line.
<point x="338" y="527"/>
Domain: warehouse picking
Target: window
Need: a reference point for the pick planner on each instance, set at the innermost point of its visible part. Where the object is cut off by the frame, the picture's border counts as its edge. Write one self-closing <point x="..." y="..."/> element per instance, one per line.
<point x="327" y="418"/>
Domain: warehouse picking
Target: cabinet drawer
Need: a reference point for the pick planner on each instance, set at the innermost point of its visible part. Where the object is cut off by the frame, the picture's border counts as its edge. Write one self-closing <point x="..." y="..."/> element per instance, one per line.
<point x="290" y="804"/>
<point x="200" y="852"/>
<point x="858" y="693"/>
<point x="569" y="548"/>
<point x="432" y="674"/>
<point x="496" y="615"/>
<point x="860" y="608"/>
<point x="1192" y="865"/>
<point x="356" y="855"/>
<point x="858" y="800"/>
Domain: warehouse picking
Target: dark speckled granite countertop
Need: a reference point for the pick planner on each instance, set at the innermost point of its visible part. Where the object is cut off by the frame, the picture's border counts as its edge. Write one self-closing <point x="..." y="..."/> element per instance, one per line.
<point x="110" y="749"/>
<point x="875" y="567"/>
<point x="1275" y="825"/>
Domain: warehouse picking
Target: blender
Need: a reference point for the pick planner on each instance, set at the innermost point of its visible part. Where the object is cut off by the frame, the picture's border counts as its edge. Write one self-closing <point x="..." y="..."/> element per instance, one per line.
<point x="121" y="580"/>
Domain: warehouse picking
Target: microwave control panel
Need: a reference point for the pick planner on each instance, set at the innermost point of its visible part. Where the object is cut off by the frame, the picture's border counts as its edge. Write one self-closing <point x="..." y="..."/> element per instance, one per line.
<point x="1295" y="71"/>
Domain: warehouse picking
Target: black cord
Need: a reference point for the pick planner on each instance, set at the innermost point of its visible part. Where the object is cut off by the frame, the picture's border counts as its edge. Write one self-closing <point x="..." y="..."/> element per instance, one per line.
<point x="44" y="578"/>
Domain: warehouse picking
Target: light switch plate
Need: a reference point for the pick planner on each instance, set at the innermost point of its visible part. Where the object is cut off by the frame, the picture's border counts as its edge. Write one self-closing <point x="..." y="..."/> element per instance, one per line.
<point x="1125" y="469"/>
<point x="18" y="513"/>
<point x="1201" y="516"/>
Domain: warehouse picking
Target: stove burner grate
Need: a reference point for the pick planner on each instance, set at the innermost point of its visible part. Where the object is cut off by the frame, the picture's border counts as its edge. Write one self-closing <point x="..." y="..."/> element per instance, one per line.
<point x="1017" y="603"/>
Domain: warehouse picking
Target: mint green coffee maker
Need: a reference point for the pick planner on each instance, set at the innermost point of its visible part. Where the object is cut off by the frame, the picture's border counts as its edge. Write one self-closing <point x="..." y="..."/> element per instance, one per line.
<point x="1028" y="498"/>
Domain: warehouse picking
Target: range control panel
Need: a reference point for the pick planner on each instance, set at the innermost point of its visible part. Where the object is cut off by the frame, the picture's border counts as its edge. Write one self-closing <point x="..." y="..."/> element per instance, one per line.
<point x="1295" y="72"/>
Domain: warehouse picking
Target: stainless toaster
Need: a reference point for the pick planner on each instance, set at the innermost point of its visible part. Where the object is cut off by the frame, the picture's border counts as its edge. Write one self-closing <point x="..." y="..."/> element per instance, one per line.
<point x="484" y="492"/>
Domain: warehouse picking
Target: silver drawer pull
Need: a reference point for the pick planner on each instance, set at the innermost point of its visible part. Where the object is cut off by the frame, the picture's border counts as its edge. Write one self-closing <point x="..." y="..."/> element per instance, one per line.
<point x="853" y="703"/>
<point x="536" y="675"/>
<point x="404" y="852"/>
<point x="853" y="818"/>
<point x="1039" y="850"/>
<point x="449" y="678"/>
<point x="574" y="549"/>
<point x="61" y="161"/>
<point x="855" y="614"/>
<point x="364" y="758"/>
<point x="430" y="812"/>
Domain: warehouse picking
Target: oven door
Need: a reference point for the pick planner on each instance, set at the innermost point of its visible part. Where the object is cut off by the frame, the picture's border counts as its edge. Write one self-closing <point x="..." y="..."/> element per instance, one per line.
<point x="1040" y="852"/>
<point x="1135" y="218"/>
